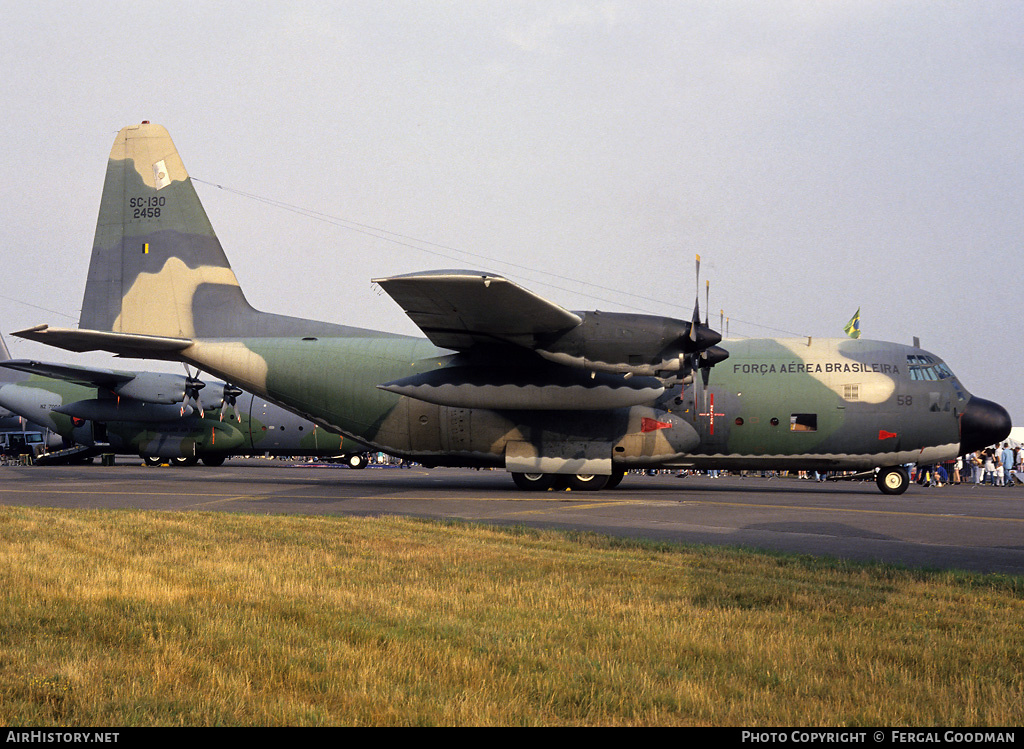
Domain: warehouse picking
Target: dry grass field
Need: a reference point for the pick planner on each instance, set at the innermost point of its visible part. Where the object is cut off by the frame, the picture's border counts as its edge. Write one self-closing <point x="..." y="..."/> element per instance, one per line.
<point x="133" y="618"/>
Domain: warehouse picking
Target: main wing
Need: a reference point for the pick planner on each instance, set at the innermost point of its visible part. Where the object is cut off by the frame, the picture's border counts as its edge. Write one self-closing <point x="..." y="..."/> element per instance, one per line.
<point x="159" y="388"/>
<point x="501" y="329"/>
<point x="458" y="309"/>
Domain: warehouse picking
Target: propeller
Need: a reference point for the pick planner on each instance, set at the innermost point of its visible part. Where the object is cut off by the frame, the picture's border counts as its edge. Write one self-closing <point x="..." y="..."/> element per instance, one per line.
<point x="695" y="322"/>
<point x="709" y="357"/>
<point x="192" y="387"/>
<point x="228" y="401"/>
<point x="707" y="300"/>
<point x="705" y="353"/>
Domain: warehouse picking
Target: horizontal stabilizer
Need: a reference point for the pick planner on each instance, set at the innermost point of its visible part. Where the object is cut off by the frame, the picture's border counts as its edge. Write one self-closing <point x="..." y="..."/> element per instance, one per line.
<point x="540" y="388"/>
<point x="459" y="309"/>
<point x="122" y="344"/>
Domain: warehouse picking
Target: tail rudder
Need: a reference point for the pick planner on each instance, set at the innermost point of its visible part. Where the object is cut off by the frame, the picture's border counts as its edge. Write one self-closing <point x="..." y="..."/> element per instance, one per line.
<point x="157" y="267"/>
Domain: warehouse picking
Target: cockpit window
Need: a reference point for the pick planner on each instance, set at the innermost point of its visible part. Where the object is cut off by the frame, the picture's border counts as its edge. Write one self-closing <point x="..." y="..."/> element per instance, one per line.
<point x="923" y="367"/>
<point x="927" y="368"/>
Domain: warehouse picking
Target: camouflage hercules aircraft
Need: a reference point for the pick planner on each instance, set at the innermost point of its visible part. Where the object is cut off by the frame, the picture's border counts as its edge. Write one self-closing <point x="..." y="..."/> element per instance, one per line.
<point x="18" y="435"/>
<point x="160" y="417"/>
<point x="507" y="378"/>
<point x="8" y="419"/>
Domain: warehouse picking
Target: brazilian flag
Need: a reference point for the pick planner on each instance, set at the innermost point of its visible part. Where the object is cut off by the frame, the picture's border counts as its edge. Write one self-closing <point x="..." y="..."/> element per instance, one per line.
<point x="853" y="327"/>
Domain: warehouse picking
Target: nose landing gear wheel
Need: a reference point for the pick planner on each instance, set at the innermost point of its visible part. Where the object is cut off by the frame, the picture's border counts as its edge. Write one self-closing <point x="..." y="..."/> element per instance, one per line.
<point x="893" y="480"/>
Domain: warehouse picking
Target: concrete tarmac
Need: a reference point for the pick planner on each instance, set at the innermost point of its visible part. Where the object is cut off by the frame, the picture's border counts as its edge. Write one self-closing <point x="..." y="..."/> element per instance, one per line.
<point x="977" y="528"/>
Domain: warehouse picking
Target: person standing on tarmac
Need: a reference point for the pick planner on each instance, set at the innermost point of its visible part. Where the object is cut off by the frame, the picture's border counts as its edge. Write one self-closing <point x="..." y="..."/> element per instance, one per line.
<point x="1006" y="456"/>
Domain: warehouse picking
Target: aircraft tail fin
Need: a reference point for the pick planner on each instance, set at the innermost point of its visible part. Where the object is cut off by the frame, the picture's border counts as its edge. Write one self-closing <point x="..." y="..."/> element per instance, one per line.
<point x="8" y="375"/>
<point x="157" y="267"/>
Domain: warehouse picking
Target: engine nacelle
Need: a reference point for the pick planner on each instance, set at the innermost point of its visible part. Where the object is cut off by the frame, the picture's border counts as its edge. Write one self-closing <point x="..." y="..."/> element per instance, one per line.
<point x="108" y="409"/>
<point x="543" y="388"/>
<point x="621" y="342"/>
<point x="157" y="387"/>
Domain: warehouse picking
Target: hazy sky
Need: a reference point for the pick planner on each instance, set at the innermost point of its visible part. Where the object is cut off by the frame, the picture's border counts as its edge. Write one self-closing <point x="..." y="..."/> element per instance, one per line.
<point x="820" y="156"/>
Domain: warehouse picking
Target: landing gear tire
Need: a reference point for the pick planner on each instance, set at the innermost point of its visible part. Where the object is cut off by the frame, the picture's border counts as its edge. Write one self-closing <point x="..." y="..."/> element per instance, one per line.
<point x="615" y="479"/>
<point x="893" y="480"/>
<point x="587" y="482"/>
<point x="356" y="461"/>
<point x="152" y="460"/>
<point x="534" y="482"/>
<point x="189" y="460"/>
<point x="213" y="460"/>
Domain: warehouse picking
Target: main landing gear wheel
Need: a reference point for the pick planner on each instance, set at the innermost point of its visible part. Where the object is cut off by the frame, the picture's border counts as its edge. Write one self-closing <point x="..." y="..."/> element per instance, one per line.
<point x="190" y="460"/>
<point x="152" y="460"/>
<point x="356" y="461"/>
<point x="213" y="460"/>
<point x="587" y="482"/>
<point x="534" y="482"/>
<point x="615" y="479"/>
<point x="893" y="480"/>
<point x="577" y="482"/>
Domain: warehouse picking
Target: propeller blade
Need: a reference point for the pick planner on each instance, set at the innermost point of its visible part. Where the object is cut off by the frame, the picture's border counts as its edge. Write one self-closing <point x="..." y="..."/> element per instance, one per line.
<point x="698" y="349"/>
<point x="696" y="307"/>
<point x="227" y="401"/>
<point x="192" y="387"/>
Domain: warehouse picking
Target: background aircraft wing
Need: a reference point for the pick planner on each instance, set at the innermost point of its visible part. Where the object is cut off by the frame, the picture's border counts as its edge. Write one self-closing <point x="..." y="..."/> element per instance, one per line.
<point x="89" y="376"/>
<point x="458" y="309"/>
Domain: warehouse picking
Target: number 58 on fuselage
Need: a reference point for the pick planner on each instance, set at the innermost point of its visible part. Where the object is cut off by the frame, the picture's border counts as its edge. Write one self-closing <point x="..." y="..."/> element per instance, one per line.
<point x="504" y="377"/>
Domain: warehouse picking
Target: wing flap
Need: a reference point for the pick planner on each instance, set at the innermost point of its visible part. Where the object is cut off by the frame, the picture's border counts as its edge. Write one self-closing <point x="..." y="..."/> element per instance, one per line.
<point x="459" y="309"/>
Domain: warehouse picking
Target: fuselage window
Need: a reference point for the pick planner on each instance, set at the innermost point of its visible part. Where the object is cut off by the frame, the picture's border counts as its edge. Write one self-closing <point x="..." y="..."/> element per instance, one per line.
<point x="803" y="423"/>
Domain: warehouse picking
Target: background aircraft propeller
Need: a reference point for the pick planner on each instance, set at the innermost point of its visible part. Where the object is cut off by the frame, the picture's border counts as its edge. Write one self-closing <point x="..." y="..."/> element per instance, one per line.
<point x="227" y="401"/>
<point x="192" y="387"/>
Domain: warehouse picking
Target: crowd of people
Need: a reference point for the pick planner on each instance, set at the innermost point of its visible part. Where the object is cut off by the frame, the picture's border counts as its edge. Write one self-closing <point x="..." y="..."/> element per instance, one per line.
<point x="999" y="465"/>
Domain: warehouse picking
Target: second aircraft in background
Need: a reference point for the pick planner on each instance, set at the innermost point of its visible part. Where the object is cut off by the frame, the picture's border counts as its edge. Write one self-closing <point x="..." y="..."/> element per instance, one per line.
<point x="158" y="416"/>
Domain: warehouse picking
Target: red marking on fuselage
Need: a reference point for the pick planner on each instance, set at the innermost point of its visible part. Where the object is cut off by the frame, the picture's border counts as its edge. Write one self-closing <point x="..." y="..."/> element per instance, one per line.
<point x="711" y="414"/>
<point x="652" y="425"/>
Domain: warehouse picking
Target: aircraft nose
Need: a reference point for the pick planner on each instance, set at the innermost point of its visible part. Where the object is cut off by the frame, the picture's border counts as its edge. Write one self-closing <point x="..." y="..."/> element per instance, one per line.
<point x="983" y="423"/>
